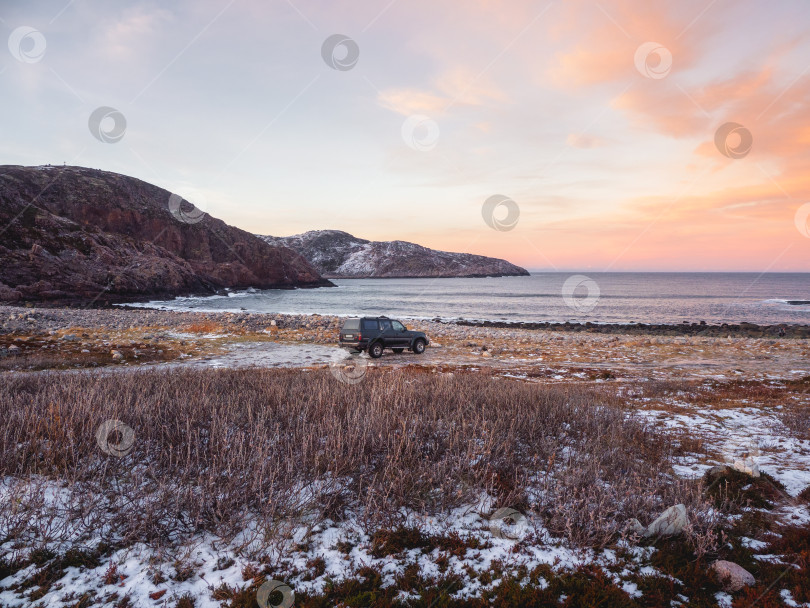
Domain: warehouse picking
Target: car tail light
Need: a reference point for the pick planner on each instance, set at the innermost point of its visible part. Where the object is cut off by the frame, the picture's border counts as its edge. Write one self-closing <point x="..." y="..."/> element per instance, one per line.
<point x="359" y="336"/>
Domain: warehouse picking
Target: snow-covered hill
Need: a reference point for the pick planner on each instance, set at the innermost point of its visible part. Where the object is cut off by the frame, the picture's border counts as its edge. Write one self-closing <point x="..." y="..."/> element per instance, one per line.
<point x="337" y="254"/>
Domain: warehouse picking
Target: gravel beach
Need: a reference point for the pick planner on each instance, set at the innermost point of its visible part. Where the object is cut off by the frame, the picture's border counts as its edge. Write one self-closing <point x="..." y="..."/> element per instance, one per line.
<point x="41" y="338"/>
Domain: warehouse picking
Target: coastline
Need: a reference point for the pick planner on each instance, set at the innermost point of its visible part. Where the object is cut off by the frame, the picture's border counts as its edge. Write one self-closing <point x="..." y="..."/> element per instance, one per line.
<point x="706" y="399"/>
<point x="696" y="328"/>
<point x="635" y="302"/>
<point x="752" y="330"/>
<point x="68" y="338"/>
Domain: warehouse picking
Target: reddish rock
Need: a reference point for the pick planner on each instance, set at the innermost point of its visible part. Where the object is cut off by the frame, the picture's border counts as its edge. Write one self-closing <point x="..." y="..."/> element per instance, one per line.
<point x="9" y="295"/>
<point x="72" y="233"/>
<point x="732" y="576"/>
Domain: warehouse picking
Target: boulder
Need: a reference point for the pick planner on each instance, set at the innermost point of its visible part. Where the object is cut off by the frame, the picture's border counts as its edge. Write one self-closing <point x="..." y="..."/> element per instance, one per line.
<point x="732" y="576"/>
<point x="635" y="526"/>
<point x="747" y="466"/>
<point x="9" y="295"/>
<point x="670" y="523"/>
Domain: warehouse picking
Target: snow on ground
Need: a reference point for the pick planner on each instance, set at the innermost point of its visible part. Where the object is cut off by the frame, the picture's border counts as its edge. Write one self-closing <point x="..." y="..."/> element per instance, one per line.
<point x="787" y="597"/>
<point x="735" y="434"/>
<point x="728" y="432"/>
<point x="215" y="563"/>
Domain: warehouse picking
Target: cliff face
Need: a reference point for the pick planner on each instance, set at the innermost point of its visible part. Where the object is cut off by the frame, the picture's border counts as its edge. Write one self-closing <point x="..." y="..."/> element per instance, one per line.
<point x="72" y="233"/>
<point x="338" y="254"/>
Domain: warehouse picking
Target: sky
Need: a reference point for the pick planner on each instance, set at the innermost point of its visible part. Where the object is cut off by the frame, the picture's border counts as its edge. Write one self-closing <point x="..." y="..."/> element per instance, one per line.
<point x="618" y="135"/>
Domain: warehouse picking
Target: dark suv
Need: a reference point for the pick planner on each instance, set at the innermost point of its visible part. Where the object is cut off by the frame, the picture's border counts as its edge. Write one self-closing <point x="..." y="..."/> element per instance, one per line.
<point x="377" y="333"/>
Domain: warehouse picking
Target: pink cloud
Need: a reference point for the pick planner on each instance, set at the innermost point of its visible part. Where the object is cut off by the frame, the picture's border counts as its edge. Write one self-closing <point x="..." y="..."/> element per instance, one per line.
<point x="459" y="86"/>
<point x="601" y="40"/>
<point x="584" y="141"/>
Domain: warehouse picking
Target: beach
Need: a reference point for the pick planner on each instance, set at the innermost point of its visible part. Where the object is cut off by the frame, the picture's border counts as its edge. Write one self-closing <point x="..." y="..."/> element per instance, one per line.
<point x="76" y="338"/>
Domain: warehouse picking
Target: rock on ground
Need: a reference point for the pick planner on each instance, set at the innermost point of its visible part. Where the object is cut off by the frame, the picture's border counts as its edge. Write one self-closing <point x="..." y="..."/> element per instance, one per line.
<point x="670" y="523"/>
<point x="732" y="576"/>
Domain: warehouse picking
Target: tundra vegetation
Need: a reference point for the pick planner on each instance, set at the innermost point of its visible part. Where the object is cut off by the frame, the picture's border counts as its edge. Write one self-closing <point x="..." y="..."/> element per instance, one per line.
<point x="253" y="457"/>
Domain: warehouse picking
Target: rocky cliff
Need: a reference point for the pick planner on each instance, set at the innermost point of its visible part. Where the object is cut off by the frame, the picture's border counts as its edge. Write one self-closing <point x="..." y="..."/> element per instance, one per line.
<point x="338" y="254"/>
<point x="78" y="234"/>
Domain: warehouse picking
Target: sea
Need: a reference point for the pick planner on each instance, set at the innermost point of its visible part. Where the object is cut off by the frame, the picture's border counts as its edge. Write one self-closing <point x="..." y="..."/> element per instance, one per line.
<point x="598" y="297"/>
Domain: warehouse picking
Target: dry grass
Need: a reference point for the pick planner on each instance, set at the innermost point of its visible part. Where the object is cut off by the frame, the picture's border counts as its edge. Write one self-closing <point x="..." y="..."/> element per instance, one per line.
<point x="217" y="450"/>
<point x="797" y="419"/>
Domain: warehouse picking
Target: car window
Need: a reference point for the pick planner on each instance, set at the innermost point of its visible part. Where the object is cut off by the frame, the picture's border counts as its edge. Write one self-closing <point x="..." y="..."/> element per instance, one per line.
<point x="351" y="324"/>
<point x="385" y="324"/>
<point x="370" y="325"/>
<point x="398" y="326"/>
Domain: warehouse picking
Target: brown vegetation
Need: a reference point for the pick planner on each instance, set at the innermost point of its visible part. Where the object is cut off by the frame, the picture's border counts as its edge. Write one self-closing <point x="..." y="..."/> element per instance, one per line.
<point x="214" y="449"/>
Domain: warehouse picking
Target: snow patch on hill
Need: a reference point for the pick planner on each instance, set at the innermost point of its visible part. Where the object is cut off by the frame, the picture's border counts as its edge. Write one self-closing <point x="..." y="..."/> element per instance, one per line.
<point x="338" y="254"/>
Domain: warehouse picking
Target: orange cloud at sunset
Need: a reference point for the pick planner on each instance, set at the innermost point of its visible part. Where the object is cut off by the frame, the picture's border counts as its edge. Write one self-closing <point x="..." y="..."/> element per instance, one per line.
<point x="667" y="196"/>
<point x="599" y="40"/>
<point x="721" y="213"/>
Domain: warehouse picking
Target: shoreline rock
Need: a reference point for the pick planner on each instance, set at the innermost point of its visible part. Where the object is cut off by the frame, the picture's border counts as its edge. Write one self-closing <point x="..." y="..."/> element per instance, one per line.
<point x="697" y="329"/>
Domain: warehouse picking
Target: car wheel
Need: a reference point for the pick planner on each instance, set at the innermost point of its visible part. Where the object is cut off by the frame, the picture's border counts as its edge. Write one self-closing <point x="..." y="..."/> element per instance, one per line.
<point x="419" y="346"/>
<point x="375" y="350"/>
<point x="398" y="350"/>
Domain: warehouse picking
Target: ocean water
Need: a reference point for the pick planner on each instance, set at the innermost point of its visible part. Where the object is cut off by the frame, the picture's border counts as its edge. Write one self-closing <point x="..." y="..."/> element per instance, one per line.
<point x="553" y="297"/>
